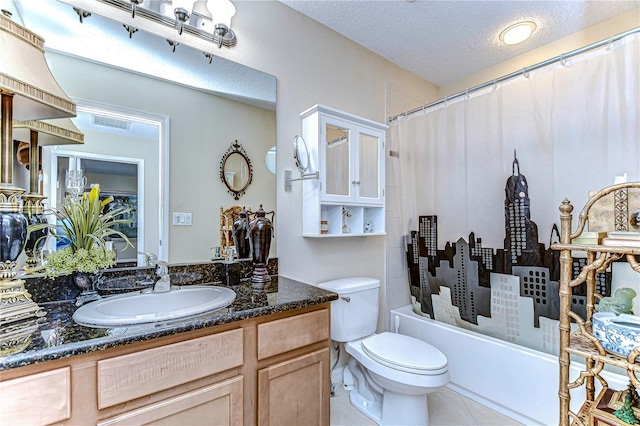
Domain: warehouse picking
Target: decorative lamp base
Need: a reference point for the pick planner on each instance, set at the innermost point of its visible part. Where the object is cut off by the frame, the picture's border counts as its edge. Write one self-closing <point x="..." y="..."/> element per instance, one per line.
<point x="16" y="303"/>
<point x="260" y="277"/>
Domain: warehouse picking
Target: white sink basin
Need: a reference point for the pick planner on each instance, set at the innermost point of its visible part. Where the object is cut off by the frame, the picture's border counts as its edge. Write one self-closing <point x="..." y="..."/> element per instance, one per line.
<point x="138" y="308"/>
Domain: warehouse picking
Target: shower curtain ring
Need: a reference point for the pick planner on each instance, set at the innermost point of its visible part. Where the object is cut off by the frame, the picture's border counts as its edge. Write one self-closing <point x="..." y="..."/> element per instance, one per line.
<point x="525" y="72"/>
<point x="610" y="43"/>
<point x="563" y="60"/>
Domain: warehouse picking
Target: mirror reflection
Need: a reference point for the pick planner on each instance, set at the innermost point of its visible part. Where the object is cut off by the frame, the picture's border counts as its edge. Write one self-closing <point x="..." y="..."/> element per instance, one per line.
<point x="337" y="143"/>
<point x="270" y="160"/>
<point x="236" y="171"/>
<point x="301" y="154"/>
<point x="194" y="108"/>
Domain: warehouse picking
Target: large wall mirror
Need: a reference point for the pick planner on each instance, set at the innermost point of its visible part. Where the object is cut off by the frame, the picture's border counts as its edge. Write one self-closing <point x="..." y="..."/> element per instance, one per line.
<point x="191" y="110"/>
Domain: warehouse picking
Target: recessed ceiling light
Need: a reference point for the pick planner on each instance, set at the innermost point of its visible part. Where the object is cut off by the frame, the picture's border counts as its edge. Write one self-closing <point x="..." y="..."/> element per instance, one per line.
<point x="517" y="33"/>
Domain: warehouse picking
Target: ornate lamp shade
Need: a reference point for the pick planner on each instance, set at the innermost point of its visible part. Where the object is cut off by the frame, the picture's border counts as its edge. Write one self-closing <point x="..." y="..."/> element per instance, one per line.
<point x="25" y="75"/>
<point x="28" y="91"/>
<point x="59" y="131"/>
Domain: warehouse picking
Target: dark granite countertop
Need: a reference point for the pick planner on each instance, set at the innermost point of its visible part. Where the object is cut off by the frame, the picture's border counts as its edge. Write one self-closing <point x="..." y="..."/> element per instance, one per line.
<point x="58" y="336"/>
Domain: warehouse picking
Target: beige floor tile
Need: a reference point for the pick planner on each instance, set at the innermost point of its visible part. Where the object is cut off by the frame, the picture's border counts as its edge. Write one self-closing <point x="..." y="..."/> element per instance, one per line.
<point x="485" y="416"/>
<point x="343" y="413"/>
<point x="446" y="408"/>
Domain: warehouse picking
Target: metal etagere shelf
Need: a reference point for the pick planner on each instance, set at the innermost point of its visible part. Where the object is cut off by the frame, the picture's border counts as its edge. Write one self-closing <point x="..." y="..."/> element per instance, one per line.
<point x="582" y="343"/>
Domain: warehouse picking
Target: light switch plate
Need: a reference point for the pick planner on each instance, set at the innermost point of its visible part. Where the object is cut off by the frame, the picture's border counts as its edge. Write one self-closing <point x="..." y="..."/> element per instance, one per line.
<point x="181" y="219"/>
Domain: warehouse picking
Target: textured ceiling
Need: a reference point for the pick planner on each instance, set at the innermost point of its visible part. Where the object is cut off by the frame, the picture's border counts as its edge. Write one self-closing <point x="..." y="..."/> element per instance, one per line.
<point x="443" y="41"/>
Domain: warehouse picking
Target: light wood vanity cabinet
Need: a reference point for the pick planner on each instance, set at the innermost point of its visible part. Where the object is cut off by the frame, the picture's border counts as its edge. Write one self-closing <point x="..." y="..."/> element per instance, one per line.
<point x="267" y="370"/>
<point x="295" y="390"/>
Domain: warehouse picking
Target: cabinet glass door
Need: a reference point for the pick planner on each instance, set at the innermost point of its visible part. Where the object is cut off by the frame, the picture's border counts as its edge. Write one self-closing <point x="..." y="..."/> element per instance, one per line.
<point x="368" y="166"/>
<point x="337" y="160"/>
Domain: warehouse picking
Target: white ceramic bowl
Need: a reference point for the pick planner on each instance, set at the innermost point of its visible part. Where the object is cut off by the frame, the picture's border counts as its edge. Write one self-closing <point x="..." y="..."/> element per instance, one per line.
<point x="619" y="334"/>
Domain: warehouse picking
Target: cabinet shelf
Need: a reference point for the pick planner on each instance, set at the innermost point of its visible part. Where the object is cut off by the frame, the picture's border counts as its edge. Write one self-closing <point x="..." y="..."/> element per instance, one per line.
<point x="360" y="234"/>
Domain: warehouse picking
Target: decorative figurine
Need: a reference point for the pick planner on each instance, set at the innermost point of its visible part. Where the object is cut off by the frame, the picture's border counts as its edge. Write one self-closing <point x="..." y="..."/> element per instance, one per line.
<point x="345" y="214"/>
<point x="620" y="303"/>
<point x="625" y="413"/>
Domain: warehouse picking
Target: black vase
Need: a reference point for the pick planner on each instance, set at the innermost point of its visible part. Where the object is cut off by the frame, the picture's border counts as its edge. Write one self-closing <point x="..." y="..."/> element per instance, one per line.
<point x="13" y="229"/>
<point x="35" y="239"/>
<point x="260" y="234"/>
<point x="240" y="232"/>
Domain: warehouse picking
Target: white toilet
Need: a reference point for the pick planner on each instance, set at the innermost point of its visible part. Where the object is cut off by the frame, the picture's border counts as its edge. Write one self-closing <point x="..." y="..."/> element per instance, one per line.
<point x="391" y="373"/>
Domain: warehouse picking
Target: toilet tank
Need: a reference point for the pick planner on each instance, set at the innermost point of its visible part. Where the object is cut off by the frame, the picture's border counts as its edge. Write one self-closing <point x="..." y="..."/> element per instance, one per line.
<point x="355" y="314"/>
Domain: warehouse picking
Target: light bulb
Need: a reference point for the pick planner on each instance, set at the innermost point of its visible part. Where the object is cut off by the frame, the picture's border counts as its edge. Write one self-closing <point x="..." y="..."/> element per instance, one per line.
<point x="517" y="33"/>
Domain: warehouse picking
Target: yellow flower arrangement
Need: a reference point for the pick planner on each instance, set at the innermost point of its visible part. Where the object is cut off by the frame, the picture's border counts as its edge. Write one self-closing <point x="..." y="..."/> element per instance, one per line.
<point x="84" y="224"/>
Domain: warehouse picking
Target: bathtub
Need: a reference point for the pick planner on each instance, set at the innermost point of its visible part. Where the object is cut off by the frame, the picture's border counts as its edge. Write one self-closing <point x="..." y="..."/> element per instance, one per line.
<point x="518" y="382"/>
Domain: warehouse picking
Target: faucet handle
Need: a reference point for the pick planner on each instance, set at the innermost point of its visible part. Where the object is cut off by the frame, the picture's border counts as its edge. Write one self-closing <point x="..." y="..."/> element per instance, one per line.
<point x="150" y="259"/>
<point x="162" y="268"/>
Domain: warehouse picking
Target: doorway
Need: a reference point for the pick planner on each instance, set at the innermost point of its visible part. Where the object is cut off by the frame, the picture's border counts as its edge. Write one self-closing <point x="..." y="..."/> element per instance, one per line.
<point x="125" y="151"/>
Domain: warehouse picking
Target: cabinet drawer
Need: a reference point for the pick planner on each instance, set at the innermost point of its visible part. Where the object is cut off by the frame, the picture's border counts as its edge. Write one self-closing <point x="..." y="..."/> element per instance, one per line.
<point x="41" y="398"/>
<point x="284" y="335"/>
<point x="127" y="377"/>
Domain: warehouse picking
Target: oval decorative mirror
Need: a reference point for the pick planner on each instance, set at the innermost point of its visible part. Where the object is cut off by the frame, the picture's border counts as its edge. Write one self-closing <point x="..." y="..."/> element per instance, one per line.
<point x="301" y="153"/>
<point x="235" y="170"/>
<point x="270" y="160"/>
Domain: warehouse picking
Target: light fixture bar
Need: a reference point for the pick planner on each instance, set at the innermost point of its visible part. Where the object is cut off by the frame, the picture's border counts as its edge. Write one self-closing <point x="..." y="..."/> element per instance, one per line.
<point x="229" y="40"/>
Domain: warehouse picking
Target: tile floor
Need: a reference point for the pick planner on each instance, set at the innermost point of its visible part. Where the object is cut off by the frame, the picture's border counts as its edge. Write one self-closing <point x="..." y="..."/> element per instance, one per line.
<point x="446" y="408"/>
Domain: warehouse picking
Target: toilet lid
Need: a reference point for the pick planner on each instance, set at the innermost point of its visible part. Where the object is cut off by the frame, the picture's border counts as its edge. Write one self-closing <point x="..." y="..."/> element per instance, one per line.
<point x="405" y="353"/>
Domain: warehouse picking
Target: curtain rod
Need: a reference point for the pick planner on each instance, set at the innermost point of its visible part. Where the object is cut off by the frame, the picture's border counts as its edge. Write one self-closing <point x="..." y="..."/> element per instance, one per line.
<point x="525" y="70"/>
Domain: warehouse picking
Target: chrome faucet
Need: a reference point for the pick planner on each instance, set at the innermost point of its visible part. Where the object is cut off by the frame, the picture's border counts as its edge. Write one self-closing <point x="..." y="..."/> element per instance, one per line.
<point x="163" y="285"/>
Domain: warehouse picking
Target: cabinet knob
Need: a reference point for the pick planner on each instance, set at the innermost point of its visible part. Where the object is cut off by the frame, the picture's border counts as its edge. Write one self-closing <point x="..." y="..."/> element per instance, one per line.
<point x="355" y="182"/>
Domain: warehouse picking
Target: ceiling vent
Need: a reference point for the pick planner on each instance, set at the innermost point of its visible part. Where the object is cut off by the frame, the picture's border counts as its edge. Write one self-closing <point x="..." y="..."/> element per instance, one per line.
<point x="114" y="123"/>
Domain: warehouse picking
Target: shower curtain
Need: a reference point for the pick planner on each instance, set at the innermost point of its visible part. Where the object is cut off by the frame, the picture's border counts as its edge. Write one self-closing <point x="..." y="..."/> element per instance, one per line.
<point x="572" y="126"/>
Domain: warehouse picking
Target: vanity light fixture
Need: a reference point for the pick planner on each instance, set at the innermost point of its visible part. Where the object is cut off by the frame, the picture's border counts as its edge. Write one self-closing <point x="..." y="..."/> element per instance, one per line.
<point x="206" y="19"/>
<point x="517" y="33"/>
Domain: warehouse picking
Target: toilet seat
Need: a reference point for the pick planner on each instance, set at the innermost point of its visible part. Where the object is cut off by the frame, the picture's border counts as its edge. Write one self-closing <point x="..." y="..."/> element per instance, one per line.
<point x="405" y="353"/>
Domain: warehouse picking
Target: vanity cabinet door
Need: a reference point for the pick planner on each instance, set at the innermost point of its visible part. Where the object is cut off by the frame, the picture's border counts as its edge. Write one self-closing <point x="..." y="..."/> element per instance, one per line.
<point x="41" y="398"/>
<point x="217" y="404"/>
<point x="296" y="391"/>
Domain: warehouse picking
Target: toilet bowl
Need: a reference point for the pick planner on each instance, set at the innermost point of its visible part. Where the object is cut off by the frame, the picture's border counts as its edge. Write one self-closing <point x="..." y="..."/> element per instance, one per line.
<point x="404" y="369"/>
<point x="389" y="375"/>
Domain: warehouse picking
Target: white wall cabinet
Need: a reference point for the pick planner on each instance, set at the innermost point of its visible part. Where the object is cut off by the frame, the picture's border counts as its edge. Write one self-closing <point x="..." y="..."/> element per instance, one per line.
<point x="348" y="153"/>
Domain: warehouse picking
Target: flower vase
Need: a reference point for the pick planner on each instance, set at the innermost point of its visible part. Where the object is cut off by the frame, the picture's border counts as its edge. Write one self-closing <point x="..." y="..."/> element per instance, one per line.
<point x="34" y="213"/>
<point x="85" y="281"/>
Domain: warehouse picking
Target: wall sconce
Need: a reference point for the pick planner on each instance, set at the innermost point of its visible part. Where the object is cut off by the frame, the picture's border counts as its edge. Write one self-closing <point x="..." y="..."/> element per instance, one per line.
<point x="208" y="20"/>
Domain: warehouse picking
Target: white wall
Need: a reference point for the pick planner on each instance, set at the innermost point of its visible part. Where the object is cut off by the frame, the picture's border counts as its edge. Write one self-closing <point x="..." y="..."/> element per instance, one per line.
<point x="316" y="65"/>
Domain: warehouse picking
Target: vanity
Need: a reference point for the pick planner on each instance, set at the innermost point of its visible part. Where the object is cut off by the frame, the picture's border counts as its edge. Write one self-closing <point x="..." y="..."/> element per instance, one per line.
<point x="265" y="359"/>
